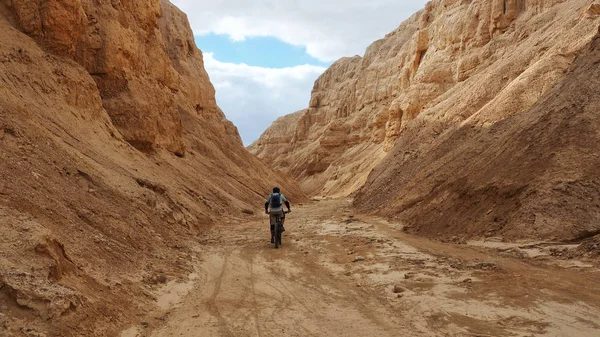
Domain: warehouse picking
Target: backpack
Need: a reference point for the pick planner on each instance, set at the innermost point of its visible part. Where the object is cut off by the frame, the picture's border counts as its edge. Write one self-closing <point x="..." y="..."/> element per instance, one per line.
<point x="275" y="200"/>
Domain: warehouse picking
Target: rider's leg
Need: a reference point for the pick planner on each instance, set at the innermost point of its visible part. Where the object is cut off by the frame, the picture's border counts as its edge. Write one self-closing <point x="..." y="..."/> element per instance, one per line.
<point x="272" y="226"/>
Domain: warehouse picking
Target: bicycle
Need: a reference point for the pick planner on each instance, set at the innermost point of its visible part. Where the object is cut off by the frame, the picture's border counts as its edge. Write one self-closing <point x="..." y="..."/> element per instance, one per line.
<point x="277" y="230"/>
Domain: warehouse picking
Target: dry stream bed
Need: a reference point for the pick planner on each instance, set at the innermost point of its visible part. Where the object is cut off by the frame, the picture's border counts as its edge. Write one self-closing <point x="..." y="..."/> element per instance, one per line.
<point x="340" y="274"/>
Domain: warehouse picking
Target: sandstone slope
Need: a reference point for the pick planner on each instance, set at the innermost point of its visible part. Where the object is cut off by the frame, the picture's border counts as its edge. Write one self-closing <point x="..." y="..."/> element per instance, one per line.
<point x="114" y="157"/>
<point x="534" y="174"/>
<point x="448" y="62"/>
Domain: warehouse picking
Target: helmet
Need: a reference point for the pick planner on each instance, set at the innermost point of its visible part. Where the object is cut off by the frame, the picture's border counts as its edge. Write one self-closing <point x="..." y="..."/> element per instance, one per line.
<point x="276" y="190"/>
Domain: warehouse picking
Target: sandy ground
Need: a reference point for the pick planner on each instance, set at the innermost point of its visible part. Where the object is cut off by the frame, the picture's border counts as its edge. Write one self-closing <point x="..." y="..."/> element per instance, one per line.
<point x="342" y="274"/>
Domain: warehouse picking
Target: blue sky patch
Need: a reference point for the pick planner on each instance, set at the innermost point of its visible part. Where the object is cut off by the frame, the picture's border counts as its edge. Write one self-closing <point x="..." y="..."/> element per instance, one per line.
<point x="267" y="52"/>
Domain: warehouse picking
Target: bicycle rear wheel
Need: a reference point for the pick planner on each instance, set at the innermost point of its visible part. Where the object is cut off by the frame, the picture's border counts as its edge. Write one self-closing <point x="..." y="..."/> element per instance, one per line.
<point x="277" y="235"/>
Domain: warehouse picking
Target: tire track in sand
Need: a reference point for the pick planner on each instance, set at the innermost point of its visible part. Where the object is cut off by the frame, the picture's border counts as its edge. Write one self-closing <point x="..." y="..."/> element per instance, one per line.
<point x="212" y="306"/>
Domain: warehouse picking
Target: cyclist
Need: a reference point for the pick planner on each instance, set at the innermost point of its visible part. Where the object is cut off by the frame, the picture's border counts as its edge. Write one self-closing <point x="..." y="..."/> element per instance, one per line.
<point x="276" y="201"/>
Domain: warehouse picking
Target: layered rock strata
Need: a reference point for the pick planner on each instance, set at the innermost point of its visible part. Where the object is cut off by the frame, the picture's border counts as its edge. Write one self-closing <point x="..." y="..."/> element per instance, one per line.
<point x="115" y="158"/>
<point x="448" y="62"/>
<point x="535" y="174"/>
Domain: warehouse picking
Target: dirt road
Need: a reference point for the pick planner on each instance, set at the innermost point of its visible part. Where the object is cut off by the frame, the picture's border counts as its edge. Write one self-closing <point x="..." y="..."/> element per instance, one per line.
<point x="340" y="274"/>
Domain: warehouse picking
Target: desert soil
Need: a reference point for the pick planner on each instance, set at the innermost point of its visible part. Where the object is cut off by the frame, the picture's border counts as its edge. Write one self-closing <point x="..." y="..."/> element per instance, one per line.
<point x="345" y="274"/>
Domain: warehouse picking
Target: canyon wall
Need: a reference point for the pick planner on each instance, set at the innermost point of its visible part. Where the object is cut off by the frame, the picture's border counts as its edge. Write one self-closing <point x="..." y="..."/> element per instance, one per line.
<point x="535" y="174"/>
<point x="115" y="159"/>
<point x="449" y="62"/>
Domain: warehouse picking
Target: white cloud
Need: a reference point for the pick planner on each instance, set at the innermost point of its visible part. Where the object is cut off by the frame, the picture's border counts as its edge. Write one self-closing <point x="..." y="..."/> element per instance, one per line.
<point x="253" y="97"/>
<point x="327" y="29"/>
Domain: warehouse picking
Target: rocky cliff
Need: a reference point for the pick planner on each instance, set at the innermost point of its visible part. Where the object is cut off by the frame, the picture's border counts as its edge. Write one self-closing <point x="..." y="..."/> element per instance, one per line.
<point x="535" y="174"/>
<point x="115" y="157"/>
<point x="449" y="62"/>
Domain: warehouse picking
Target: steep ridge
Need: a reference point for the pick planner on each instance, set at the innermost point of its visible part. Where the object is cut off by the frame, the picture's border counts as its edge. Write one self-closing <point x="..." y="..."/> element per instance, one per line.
<point x="534" y="174"/>
<point x="115" y="157"/>
<point x="452" y="60"/>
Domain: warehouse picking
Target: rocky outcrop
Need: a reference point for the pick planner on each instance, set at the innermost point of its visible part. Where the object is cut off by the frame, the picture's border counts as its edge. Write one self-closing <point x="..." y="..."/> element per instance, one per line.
<point x="535" y="174"/>
<point x="451" y="61"/>
<point x="115" y="158"/>
<point x="142" y="57"/>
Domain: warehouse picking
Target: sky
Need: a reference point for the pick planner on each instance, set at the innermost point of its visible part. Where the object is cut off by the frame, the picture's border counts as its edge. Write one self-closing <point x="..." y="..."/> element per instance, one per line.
<point x="263" y="56"/>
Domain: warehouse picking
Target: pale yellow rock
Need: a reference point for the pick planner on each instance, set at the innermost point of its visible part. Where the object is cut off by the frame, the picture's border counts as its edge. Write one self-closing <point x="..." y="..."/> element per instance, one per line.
<point x="449" y="62"/>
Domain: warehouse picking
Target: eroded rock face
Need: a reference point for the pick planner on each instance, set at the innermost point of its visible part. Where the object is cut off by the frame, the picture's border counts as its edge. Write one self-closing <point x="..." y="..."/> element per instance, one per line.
<point x="535" y="174"/>
<point x="452" y="60"/>
<point x="61" y="25"/>
<point x="87" y="220"/>
<point x="141" y="55"/>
